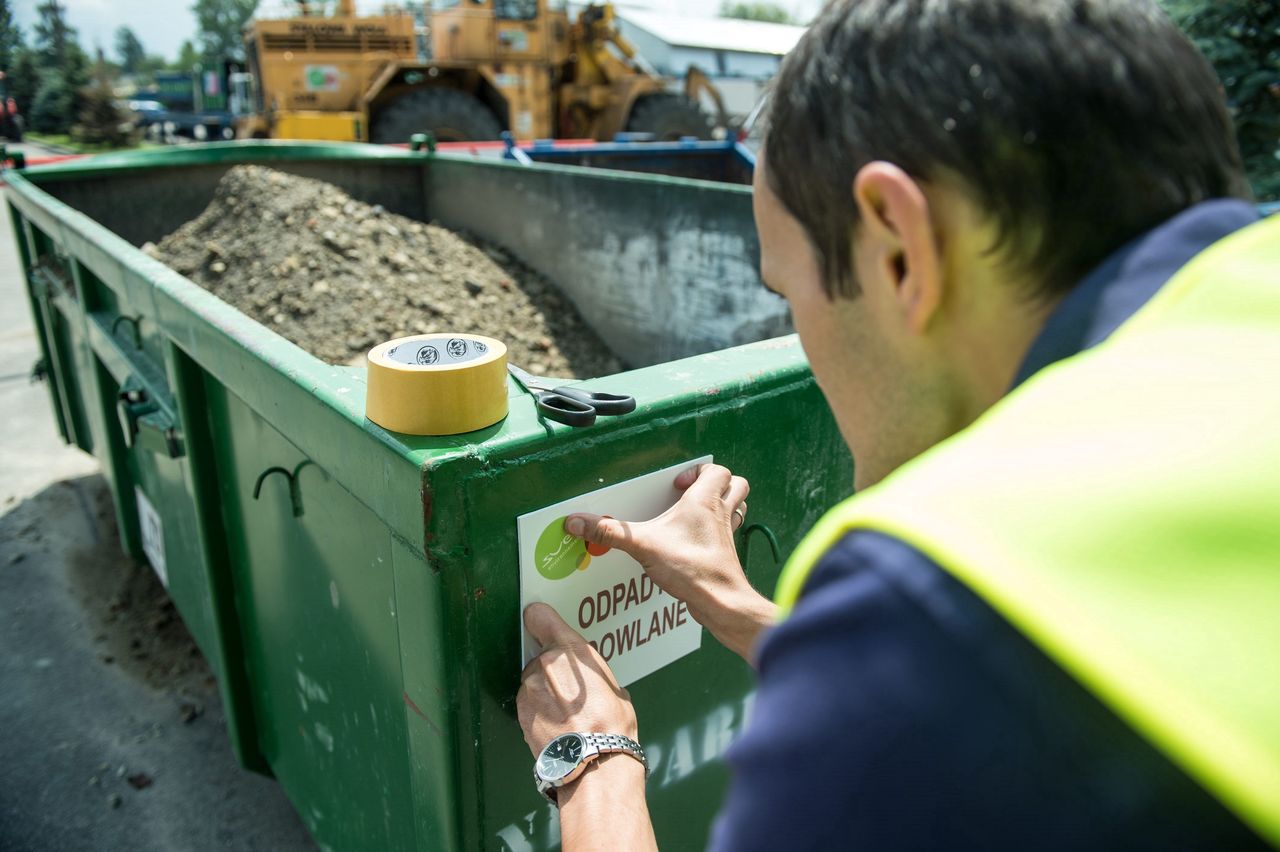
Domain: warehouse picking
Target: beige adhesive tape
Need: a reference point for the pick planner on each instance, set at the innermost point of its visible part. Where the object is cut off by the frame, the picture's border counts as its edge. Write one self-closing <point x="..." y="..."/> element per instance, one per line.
<point x="437" y="384"/>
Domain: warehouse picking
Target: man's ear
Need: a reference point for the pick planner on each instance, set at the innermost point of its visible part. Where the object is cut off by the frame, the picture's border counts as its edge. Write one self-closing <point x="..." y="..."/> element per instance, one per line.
<point x="899" y="236"/>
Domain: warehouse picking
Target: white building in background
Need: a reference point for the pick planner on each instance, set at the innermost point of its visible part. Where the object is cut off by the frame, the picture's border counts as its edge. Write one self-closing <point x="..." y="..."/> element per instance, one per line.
<point x="740" y="57"/>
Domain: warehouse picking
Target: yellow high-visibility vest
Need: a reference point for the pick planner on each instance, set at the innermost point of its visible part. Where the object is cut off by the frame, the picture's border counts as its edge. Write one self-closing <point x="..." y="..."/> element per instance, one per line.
<point x="1121" y="509"/>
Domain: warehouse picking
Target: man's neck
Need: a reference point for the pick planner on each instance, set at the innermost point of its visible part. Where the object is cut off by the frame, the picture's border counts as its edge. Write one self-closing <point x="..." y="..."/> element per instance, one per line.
<point x="994" y="346"/>
<point x="993" y="317"/>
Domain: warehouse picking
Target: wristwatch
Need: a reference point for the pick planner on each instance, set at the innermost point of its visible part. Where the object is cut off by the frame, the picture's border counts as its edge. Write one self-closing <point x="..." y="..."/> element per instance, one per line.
<point x="567" y="756"/>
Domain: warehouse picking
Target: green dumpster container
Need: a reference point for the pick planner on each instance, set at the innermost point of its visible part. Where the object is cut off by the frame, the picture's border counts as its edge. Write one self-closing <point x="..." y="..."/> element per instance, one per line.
<point x="357" y="590"/>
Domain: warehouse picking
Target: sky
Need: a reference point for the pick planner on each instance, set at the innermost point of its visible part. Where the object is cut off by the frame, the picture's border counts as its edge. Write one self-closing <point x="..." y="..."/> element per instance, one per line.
<point x="163" y="26"/>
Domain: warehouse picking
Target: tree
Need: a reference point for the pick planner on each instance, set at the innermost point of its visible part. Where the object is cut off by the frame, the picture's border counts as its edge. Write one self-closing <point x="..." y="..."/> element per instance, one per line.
<point x="152" y="65"/>
<point x="103" y="68"/>
<point x="130" y="51"/>
<point x="24" y="79"/>
<point x="770" y="13"/>
<point x="188" y="57"/>
<point x="55" y="39"/>
<point x="63" y="70"/>
<point x="10" y="38"/>
<point x="56" y="103"/>
<point x="220" y="28"/>
<point x="101" y="120"/>
<point x="1240" y="38"/>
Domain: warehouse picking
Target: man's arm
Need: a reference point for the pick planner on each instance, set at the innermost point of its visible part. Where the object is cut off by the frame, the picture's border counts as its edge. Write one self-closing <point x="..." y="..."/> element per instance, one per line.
<point x="737" y="618"/>
<point x="569" y="687"/>
<point x="605" y="809"/>
<point x="689" y="552"/>
<point x="897" y="710"/>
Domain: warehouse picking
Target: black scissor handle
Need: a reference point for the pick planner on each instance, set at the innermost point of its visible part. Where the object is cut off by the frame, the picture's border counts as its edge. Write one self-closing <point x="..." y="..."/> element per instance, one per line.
<point x="608" y="404"/>
<point x="565" y="409"/>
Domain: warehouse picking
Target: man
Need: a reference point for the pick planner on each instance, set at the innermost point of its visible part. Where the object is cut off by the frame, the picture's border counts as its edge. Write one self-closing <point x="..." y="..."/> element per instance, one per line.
<point x="1048" y="619"/>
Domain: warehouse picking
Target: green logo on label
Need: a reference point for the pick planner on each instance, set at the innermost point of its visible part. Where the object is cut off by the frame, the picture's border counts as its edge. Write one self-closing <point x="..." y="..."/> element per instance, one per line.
<point x="558" y="554"/>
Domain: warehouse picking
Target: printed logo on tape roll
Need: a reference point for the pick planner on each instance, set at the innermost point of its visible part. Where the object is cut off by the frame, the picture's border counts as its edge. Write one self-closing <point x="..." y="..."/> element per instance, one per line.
<point x="428" y="355"/>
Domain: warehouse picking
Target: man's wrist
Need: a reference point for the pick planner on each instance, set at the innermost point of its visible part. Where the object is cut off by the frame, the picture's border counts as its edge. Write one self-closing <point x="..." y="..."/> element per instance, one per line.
<point x="736" y="617"/>
<point x="604" y="809"/>
<point x="612" y="774"/>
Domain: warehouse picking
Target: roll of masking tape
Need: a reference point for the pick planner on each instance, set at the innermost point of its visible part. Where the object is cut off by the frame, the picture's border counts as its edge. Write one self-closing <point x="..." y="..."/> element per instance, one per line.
<point x="437" y="384"/>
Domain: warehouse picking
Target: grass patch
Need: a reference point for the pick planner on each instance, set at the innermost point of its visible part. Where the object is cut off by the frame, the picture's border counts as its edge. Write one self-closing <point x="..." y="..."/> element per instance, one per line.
<point x="62" y="140"/>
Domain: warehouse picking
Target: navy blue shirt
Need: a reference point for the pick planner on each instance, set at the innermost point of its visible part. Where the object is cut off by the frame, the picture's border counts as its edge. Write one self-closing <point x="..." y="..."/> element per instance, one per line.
<point x="896" y="710"/>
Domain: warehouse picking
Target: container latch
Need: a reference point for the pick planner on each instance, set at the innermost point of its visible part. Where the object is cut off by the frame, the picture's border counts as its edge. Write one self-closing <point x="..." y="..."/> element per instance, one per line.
<point x="145" y="424"/>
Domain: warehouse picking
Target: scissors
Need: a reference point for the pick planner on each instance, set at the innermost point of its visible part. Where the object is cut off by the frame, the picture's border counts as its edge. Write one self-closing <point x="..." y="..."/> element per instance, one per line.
<point x="569" y="405"/>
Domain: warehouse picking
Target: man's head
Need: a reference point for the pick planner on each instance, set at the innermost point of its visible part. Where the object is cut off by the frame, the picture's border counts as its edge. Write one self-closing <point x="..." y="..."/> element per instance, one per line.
<point x="937" y="174"/>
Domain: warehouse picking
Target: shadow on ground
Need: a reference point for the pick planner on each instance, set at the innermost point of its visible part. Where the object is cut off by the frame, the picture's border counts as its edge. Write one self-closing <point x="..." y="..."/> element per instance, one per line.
<point x="114" y="736"/>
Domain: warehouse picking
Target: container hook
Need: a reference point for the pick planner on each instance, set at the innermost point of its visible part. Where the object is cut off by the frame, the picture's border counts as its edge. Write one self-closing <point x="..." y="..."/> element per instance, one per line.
<point x="418" y="141"/>
<point x="769" y="537"/>
<point x="133" y="322"/>
<point x="295" y="490"/>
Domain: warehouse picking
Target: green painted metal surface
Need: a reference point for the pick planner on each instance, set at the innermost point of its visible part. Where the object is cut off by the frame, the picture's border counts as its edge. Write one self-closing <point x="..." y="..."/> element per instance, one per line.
<point x="362" y="611"/>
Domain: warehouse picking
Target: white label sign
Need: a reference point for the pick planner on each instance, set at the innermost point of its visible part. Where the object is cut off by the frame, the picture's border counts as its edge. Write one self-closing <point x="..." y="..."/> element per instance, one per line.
<point x="604" y="594"/>
<point x="152" y="535"/>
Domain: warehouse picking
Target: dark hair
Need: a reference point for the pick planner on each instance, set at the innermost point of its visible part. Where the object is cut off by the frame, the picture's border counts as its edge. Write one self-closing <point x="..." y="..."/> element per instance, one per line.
<point x="1078" y="124"/>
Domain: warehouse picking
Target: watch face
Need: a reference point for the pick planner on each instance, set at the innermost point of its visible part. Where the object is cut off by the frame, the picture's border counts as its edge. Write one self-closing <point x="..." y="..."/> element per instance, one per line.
<point x="560" y="757"/>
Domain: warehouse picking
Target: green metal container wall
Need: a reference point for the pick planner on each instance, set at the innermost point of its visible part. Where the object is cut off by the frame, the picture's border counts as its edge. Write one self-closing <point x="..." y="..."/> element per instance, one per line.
<point x="362" y="610"/>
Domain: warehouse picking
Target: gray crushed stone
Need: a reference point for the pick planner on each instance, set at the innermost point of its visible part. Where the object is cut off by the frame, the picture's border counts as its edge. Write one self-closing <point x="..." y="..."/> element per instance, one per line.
<point x="337" y="276"/>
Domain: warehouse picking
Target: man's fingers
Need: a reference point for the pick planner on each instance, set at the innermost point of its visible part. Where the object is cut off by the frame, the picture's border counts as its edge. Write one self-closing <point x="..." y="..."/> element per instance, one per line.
<point x="713" y="479"/>
<point x="548" y="628"/>
<point x="531" y="668"/>
<point x="604" y="531"/>
<point x="737" y="492"/>
<point x="687" y="477"/>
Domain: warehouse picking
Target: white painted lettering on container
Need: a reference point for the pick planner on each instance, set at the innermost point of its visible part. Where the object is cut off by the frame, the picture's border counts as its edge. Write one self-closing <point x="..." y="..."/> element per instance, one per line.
<point x="309" y="690"/>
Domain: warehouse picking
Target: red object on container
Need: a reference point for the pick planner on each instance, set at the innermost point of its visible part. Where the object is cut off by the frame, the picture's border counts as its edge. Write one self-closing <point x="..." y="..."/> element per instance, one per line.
<point x="599" y="549"/>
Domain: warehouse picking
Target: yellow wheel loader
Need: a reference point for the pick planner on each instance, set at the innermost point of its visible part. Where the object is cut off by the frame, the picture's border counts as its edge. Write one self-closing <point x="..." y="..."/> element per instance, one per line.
<point x="470" y="70"/>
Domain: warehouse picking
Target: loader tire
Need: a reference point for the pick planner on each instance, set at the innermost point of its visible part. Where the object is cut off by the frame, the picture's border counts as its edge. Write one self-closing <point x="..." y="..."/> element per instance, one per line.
<point x="669" y="117"/>
<point x="453" y="116"/>
<point x="13" y="128"/>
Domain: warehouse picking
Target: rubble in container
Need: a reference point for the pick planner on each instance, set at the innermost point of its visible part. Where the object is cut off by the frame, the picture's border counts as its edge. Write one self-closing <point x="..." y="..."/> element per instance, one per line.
<point x="337" y="276"/>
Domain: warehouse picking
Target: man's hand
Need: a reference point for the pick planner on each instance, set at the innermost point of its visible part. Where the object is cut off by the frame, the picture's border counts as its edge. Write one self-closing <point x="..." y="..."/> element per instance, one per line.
<point x="689" y="552"/>
<point x="568" y="687"/>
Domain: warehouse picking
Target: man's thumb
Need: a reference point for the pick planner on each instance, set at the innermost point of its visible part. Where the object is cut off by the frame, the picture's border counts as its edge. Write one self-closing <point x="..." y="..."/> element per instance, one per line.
<point x="548" y="628"/>
<point x="601" y="530"/>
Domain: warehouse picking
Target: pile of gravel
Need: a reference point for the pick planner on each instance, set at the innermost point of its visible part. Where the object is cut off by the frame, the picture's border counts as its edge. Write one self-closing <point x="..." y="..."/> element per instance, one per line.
<point x="337" y="276"/>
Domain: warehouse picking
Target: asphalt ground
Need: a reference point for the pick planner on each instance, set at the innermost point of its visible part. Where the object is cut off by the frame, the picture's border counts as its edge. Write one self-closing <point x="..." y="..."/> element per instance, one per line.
<point x="112" y="735"/>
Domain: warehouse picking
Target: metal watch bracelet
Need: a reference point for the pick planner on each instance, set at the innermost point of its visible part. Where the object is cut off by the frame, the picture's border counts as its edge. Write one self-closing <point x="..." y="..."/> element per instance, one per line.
<point x="611" y="743"/>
